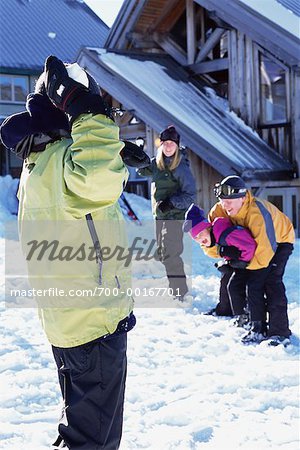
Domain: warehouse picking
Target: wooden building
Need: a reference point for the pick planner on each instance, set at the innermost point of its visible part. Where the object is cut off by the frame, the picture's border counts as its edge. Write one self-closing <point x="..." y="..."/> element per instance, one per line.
<point x="225" y="73"/>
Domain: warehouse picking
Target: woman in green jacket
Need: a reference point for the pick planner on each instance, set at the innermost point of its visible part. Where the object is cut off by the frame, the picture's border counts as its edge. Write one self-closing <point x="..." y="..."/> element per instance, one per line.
<point x="173" y="191"/>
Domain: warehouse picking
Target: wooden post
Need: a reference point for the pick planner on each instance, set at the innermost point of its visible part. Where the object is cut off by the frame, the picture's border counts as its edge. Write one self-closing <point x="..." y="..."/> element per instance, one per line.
<point x="256" y="91"/>
<point x="150" y="141"/>
<point x="241" y="74"/>
<point x="202" y="27"/>
<point x="190" y="31"/>
<point x="233" y="76"/>
<point x="210" y="44"/>
<point x="249" y="83"/>
<point x="171" y="47"/>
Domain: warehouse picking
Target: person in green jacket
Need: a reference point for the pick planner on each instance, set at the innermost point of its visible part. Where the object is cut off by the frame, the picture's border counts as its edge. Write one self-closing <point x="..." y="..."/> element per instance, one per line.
<point x="69" y="224"/>
<point x="173" y="191"/>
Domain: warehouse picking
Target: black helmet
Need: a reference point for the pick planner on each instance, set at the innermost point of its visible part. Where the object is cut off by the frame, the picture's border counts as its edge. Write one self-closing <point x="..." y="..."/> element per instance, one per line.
<point x="232" y="186"/>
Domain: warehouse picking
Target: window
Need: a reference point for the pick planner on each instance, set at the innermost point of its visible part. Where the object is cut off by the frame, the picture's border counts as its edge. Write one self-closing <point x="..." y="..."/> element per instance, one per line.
<point x="13" y="88"/>
<point x="286" y="199"/>
<point x="273" y="91"/>
<point x="277" y="200"/>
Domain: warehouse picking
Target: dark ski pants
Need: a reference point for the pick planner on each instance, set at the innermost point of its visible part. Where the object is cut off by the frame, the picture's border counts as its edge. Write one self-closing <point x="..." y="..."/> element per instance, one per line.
<point x="237" y="291"/>
<point x="223" y="308"/>
<point x="232" y="293"/>
<point x="92" y="380"/>
<point x="169" y="238"/>
<point x="270" y="282"/>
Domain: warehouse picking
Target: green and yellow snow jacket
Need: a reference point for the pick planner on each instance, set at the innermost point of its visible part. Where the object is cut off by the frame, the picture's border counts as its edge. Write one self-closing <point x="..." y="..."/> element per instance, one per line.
<point x="84" y="297"/>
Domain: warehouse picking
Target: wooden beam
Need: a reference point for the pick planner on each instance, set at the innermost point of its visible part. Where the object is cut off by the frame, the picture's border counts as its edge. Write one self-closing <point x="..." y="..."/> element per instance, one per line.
<point x="267" y="175"/>
<point x="210" y="44"/>
<point x="242" y="77"/>
<point x="120" y="24"/>
<point x="233" y="80"/>
<point x="190" y="31"/>
<point x="141" y="40"/>
<point x="249" y="82"/>
<point x="202" y="27"/>
<point x="171" y="47"/>
<point x="150" y="141"/>
<point x="210" y="66"/>
<point x="132" y="131"/>
<point x="131" y="20"/>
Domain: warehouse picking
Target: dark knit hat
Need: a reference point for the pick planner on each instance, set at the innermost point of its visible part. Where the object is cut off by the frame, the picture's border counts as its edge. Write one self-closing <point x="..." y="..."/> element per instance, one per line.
<point x="232" y="186"/>
<point x="41" y="117"/>
<point x="195" y="221"/>
<point x="170" y="134"/>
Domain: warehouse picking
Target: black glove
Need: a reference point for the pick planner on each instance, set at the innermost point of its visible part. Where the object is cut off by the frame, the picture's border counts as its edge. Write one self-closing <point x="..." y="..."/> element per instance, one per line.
<point x="238" y="264"/>
<point x="134" y="156"/>
<point x="165" y="205"/>
<point x="70" y="96"/>
<point x="44" y="116"/>
<point x="230" y="251"/>
<point x="223" y="267"/>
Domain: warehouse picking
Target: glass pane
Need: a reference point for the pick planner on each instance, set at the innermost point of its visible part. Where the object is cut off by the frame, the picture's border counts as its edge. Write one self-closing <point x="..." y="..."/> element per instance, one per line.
<point x="20" y="89"/>
<point x="5" y="88"/>
<point x="272" y="91"/>
<point x="277" y="200"/>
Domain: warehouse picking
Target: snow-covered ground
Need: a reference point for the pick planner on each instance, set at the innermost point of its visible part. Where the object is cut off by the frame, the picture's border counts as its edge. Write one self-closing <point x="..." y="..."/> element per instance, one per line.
<point x="191" y="383"/>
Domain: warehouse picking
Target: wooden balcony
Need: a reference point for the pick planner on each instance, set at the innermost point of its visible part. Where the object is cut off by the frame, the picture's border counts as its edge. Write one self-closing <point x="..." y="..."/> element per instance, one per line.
<point x="278" y="136"/>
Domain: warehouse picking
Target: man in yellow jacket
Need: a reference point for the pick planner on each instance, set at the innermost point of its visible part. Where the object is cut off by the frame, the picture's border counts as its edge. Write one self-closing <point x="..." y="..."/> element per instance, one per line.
<point x="274" y="236"/>
<point x="70" y="225"/>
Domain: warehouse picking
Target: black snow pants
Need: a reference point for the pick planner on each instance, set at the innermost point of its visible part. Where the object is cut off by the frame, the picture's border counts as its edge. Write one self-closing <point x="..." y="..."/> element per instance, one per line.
<point x="92" y="380"/>
<point x="232" y="293"/>
<point x="237" y="291"/>
<point x="270" y="282"/>
<point x="169" y="238"/>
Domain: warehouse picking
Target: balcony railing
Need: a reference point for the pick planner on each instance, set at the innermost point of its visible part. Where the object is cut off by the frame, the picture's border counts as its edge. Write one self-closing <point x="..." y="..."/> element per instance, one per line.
<point x="278" y="136"/>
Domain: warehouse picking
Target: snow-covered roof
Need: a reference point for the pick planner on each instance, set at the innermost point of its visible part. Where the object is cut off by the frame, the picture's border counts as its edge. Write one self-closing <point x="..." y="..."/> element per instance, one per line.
<point x="161" y="92"/>
<point x="32" y="30"/>
<point x="291" y="5"/>
<point x="277" y="13"/>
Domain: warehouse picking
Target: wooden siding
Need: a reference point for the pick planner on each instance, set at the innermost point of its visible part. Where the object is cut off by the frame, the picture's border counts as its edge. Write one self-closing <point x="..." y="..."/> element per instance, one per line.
<point x="205" y="177"/>
<point x="279" y="138"/>
<point x="244" y="96"/>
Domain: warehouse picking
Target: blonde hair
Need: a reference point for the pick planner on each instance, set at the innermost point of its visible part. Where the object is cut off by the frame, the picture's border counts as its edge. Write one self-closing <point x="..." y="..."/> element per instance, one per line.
<point x="160" y="162"/>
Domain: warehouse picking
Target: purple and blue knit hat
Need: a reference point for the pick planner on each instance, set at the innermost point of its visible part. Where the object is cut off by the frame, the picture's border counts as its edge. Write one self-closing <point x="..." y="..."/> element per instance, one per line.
<point x="195" y="221"/>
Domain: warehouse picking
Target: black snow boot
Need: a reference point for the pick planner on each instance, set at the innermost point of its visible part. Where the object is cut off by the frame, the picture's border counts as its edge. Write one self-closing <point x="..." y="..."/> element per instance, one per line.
<point x="255" y="335"/>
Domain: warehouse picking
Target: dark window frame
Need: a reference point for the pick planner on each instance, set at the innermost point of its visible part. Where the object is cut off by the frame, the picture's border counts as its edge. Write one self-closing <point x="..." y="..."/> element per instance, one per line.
<point x="261" y="122"/>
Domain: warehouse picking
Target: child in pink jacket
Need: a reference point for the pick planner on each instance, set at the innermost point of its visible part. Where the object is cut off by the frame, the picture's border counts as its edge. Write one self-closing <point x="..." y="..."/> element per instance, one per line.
<point x="236" y="245"/>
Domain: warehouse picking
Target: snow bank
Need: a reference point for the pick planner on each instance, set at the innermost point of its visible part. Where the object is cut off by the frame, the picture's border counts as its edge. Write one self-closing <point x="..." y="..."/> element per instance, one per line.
<point x="8" y="197"/>
<point x="191" y="384"/>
